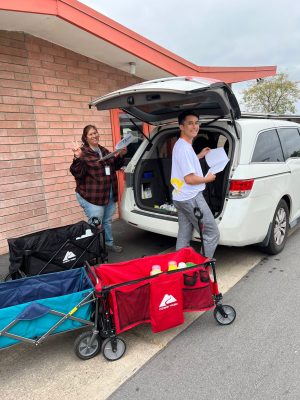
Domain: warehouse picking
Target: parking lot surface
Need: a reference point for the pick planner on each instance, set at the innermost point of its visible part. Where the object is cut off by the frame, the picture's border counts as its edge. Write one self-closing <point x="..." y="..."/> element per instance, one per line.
<point x="52" y="371"/>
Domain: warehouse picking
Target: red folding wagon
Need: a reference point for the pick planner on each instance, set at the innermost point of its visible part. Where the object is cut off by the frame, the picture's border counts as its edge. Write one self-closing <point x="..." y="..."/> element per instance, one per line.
<point x="128" y="296"/>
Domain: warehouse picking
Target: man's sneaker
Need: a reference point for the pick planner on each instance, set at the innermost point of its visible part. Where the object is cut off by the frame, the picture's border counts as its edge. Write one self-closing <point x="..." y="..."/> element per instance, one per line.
<point x="114" y="248"/>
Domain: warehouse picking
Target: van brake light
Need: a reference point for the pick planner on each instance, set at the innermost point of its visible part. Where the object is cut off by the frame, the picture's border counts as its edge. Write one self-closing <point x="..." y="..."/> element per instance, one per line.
<point x="240" y="188"/>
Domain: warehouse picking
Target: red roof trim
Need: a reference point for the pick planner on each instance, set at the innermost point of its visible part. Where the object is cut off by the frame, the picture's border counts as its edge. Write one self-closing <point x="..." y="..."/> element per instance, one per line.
<point x="105" y="28"/>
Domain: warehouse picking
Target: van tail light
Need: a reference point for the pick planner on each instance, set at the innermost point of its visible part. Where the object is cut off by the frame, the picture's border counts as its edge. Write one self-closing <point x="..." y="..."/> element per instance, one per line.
<point x="239" y="189"/>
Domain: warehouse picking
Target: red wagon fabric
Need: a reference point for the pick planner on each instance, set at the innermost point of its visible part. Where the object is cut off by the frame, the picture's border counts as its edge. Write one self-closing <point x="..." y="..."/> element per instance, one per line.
<point x="135" y="297"/>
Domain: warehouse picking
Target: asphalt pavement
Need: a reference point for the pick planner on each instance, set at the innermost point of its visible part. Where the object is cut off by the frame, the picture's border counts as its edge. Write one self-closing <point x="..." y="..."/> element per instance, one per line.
<point x="255" y="358"/>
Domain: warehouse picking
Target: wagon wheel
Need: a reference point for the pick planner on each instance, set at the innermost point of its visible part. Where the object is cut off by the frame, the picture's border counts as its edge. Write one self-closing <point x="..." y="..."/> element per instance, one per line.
<point x="83" y="347"/>
<point x="224" y="315"/>
<point x="16" y="275"/>
<point x="113" y="348"/>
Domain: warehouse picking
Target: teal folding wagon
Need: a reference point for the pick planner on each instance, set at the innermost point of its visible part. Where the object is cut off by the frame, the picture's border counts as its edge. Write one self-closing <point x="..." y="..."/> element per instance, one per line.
<point x="33" y="308"/>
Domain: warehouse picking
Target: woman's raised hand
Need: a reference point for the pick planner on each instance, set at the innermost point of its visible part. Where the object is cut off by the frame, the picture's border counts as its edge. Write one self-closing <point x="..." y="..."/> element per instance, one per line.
<point x="76" y="149"/>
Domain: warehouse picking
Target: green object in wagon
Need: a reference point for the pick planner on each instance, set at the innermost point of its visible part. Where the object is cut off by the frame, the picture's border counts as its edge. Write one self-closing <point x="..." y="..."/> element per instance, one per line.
<point x="190" y="264"/>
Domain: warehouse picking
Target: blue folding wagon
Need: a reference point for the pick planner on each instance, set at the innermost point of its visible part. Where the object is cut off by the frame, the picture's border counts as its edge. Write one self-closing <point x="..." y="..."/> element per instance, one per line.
<point x="33" y="308"/>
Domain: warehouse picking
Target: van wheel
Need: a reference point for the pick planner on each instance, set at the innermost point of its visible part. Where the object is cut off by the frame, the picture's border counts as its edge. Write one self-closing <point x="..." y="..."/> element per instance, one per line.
<point x="279" y="229"/>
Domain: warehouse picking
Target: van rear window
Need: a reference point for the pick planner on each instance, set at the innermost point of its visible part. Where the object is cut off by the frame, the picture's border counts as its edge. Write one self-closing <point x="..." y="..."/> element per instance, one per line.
<point x="268" y="148"/>
<point x="290" y="140"/>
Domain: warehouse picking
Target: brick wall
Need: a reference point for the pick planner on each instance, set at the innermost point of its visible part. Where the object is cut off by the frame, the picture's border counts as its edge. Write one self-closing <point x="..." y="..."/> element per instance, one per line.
<point x="44" y="94"/>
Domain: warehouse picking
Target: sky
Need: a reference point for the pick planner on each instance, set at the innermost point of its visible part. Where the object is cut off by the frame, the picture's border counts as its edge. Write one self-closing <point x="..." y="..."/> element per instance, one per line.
<point x="236" y="33"/>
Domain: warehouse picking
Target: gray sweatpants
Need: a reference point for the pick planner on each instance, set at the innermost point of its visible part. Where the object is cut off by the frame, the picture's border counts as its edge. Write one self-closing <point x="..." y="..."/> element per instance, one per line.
<point x="187" y="222"/>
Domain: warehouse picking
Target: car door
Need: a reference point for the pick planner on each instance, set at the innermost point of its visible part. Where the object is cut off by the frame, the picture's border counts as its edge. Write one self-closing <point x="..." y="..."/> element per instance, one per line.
<point x="290" y="141"/>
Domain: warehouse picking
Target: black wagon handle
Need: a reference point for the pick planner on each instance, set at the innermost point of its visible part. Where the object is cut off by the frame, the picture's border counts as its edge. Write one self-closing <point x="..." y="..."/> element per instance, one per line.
<point x="96" y="222"/>
<point x="199" y="215"/>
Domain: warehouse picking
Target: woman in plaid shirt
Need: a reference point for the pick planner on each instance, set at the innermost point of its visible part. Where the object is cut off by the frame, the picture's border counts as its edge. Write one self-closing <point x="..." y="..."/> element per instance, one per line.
<point x="96" y="181"/>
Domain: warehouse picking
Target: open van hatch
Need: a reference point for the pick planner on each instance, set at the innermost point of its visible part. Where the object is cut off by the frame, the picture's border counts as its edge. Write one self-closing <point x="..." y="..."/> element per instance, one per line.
<point x="150" y="179"/>
<point x="160" y="101"/>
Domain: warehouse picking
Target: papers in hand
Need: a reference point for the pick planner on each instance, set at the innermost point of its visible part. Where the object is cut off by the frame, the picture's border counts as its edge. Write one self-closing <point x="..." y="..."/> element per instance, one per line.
<point x="125" y="141"/>
<point x="119" y="146"/>
<point x="216" y="160"/>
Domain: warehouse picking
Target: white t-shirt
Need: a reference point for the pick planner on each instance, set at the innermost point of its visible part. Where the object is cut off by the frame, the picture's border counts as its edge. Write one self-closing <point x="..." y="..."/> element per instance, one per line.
<point x="184" y="162"/>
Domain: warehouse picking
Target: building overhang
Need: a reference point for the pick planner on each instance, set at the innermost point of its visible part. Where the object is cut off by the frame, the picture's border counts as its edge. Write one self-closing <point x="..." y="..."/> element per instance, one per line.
<point x="74" y="26"/>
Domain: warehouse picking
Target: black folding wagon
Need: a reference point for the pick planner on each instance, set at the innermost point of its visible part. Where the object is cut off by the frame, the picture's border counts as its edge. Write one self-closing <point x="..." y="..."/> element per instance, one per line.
<point x="56" y="249"/>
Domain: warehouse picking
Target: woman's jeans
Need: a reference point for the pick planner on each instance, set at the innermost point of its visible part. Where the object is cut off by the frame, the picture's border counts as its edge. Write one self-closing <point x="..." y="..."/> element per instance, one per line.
<point x="103" y="213"/>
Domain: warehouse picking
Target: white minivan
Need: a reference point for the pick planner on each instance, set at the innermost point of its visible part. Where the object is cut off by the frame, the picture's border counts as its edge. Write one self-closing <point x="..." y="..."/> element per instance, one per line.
<point x="255" y="199"/>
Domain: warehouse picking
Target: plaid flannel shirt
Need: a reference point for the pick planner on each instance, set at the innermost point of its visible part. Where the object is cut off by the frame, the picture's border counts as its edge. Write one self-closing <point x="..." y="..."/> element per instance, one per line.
<point x="91" y="181"/>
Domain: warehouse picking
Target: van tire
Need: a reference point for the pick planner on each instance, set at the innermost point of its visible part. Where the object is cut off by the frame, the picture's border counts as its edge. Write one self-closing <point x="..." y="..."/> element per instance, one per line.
<point x="279" y="229"/>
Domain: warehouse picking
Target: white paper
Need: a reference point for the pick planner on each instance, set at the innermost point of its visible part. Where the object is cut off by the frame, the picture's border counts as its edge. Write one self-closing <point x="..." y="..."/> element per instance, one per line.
<point x="120" y="145"/>
<point x="216" y="159"/>
<point x="125" y="141"/>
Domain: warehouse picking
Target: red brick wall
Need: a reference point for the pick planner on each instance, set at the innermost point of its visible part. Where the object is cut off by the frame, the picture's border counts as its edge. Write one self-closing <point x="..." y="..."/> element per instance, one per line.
<point x="44" y="94"/>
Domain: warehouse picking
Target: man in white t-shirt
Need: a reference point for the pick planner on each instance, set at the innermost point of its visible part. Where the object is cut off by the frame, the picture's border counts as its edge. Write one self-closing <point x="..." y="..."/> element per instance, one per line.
<point x="188" y="182"/>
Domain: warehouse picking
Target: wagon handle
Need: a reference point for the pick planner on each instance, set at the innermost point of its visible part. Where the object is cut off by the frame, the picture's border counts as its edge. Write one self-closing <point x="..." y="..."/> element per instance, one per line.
<point x="91" y="271"/>
<point x="199" y="215"/>
<point x="97" y="223"/>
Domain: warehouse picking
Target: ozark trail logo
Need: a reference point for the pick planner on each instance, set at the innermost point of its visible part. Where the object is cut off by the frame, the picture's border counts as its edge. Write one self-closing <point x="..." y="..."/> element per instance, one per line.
<point x="168" y="301"/>
<point x="69" y="257"/>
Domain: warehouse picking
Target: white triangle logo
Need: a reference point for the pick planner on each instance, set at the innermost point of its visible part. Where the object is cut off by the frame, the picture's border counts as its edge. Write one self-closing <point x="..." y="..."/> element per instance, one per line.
<point x="167" y="300"/>
<point x="70" y="256"/>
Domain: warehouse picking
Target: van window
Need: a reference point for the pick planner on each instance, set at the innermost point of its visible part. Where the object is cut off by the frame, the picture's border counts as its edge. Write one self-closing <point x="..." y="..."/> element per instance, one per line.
<point x="290" y="140"/>
<point x="268" y="148"/>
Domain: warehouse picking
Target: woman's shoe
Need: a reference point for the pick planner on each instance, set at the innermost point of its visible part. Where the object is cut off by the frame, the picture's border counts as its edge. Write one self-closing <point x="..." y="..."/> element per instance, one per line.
<point x="114" y="248"/>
